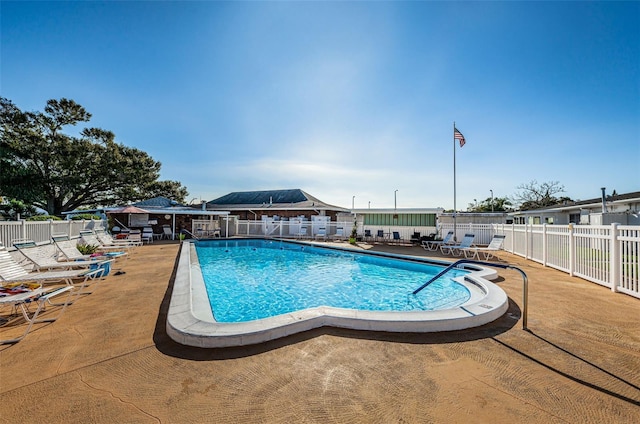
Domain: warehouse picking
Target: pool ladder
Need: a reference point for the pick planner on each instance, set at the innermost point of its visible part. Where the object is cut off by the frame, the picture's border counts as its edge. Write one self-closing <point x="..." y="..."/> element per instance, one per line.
<point x="525" y="282"/>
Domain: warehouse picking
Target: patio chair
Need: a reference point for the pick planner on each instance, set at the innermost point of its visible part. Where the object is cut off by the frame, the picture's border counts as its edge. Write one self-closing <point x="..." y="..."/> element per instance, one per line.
<point x="397" y="238"/>
<point x="302" y="232"/>
<point x="12" y="272"/>
<point x="456" y="249"/>
<point x="68" y="250"/>
<point x="322" y="233"/>
<point x="43" y="257"/>
<point x="434" y="244"/>
<point x="339" y="235"/>
<point x="380" y="235"/>
<point x="166" y="232"/>
<point x="147" y="235"/>
<point x="495" y="245"/>
<point x="23" y="295"/>
<point x="415" y="238"/>
<point x="367" y="235"/>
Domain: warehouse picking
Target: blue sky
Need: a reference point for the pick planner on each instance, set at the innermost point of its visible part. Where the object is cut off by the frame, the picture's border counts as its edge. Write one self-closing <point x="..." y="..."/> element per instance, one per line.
<point x="346" y="99"/>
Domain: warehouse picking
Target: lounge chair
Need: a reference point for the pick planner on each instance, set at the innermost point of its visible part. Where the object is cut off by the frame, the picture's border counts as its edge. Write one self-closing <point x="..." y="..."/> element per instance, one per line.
<point x="12" y="272"/>
<point x="495" y="245"/>
<point x="434" y="244"/>
<point x="166" y="232"/>
<point x="23" y="295"/>
<point x="68" y="250"/>
<point x="322" y="233"/>
<point x="456" y="249"/>
<point x="133" y="238"/>
<point x="43" y="257"/>
<point x="90" y="238"/>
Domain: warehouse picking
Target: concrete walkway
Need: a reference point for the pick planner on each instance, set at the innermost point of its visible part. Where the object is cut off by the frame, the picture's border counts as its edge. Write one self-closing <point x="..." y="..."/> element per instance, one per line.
<point x="109" y="360"/>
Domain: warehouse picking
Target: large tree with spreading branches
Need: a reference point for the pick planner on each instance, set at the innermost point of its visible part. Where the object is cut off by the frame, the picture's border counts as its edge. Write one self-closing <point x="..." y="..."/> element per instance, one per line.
<point x="43" y="166"/>
<point x="535" y="196"/>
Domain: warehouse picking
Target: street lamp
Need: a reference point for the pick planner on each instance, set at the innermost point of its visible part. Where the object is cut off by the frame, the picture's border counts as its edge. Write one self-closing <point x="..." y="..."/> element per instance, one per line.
<point x="369" y="204"/>
<point x="395" y="203"/>
<point x="353" y="202"/>
<point x="491" y="200"/>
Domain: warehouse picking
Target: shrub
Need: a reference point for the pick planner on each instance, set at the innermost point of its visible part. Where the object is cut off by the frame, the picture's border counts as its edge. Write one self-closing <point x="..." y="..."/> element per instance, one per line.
<point x="87" y="249"/>
<point x="43" y="218"/>
<point x="85" y="216"/>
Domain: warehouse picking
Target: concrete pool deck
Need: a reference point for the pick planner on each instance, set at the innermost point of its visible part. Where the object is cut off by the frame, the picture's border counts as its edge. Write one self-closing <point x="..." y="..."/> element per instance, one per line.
<point x="108" y="359"/>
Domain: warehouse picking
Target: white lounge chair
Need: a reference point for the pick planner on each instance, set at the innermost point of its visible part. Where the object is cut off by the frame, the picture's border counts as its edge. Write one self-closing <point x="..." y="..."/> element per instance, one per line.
<point x="434" y="244"/>
<point x="90" y="238"/>
<point x="12" y="272"/>
<point x="68" y="249"/>
<point x="23" y="295"/>
<point x="456" y="249"/>
<point x="104" y="238"/>
<point x="495" y="245"/>
<point x="44" y="257"/>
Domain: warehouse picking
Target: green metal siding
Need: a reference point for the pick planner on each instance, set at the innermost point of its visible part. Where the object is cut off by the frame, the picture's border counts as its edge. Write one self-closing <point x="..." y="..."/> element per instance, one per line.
<point x="401" y="220"/>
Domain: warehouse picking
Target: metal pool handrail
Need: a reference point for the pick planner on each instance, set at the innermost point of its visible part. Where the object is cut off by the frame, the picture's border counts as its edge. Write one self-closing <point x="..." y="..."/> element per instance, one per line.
<point x="525" y="282"/>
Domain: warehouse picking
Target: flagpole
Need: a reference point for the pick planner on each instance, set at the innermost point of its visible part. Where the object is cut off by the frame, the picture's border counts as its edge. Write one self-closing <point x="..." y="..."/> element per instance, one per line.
<point x="455" y="232"/>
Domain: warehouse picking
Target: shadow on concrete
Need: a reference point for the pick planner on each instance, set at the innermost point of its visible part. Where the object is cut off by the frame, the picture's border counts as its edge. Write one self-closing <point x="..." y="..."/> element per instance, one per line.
<point x="572" y="377"/>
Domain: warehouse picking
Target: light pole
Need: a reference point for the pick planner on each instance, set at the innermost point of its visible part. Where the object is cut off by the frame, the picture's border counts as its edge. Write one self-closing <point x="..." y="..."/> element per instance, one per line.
<point x="491" y="200"/>
<point x="353" y="202"/>
<point x="395" y="202"/>
<point x="369" y="204"/>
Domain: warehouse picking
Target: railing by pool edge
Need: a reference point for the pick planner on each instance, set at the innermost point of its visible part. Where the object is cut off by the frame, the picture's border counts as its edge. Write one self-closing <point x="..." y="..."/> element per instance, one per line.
<point x="525" y="282"/>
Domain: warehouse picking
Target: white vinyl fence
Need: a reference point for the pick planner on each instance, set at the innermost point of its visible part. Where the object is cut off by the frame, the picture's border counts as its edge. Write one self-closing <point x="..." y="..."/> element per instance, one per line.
<point x="313" y="229"/>
<point x="604" y="254"/>
<point x="41" y="231"/>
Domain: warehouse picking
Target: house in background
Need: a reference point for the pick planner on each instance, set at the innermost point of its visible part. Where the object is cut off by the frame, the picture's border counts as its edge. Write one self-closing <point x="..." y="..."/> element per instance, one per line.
<point x="621" y="208"/>
<point x="277" y="204"/>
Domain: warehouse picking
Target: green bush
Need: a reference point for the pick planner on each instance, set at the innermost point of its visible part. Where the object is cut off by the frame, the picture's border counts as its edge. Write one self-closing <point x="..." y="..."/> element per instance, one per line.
<point x="43" y="218"/>
<point x="87" y="249"/>
<point x="85" y="216"/>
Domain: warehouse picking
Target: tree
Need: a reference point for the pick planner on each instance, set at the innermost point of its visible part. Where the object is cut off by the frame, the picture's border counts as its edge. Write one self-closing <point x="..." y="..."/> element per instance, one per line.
<point x="44" y="167"/>
<point x="495" y="204"/>
<point x="12" y="209"/>
<point x="534" y="196"/>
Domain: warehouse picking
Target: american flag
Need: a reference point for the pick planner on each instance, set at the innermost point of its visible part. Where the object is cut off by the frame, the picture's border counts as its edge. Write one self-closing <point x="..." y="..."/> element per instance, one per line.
<point x="457" y="135"/>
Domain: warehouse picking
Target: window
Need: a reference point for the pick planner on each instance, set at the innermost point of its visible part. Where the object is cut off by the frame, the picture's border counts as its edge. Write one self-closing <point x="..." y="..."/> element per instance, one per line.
<point x="402" y="220"/>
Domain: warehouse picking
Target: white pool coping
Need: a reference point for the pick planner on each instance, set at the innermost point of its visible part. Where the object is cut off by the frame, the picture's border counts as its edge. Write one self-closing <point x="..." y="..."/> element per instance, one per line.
<point x="190" y="320"/>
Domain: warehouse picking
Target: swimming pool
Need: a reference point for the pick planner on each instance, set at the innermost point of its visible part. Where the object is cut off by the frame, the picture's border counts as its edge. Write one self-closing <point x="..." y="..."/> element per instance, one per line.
<point x="256" y="279"/>
<point x="245" y="315"/>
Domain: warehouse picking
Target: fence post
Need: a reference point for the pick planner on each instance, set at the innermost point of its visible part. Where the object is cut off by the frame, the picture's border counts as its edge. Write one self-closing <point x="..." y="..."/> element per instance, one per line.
<point x="23" y="229"/>
<point x="614" y="262"/>
<point x="544" y="244"/>
<point x="572" y="251"/>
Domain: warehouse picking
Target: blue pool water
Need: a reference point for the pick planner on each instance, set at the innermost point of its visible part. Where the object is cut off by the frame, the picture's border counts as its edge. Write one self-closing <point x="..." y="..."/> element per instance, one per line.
<point x="252" y="279"/>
